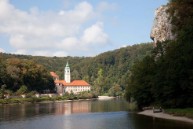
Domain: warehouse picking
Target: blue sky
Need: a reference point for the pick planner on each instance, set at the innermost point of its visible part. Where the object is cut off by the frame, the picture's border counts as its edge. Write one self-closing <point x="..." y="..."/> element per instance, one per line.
<point x="74" y="27"/>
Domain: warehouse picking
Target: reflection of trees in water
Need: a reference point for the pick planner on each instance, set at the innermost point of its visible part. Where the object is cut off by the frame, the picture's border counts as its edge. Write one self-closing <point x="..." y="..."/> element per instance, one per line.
<point x="73" y="107"/>
<point x="109" y="106"/>
<point x="27" y="113"/>
<point x="22" y="111"/>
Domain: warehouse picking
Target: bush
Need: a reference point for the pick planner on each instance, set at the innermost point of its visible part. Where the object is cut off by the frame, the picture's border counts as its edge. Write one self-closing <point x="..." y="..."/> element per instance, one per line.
<point x="16" y="100"/>
<point x="4" y="101"/>
<point x="2" y="91"/>
<point x="31" y="94"/>
<point x="22" y="90"/>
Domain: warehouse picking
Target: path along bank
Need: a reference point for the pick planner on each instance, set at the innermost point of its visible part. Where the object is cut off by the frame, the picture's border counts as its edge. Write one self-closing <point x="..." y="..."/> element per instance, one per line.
<point x="165" y="116"/>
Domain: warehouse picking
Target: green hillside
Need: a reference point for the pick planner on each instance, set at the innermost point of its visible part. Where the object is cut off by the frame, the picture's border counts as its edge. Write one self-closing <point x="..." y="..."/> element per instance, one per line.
<point x="106" y="72"/>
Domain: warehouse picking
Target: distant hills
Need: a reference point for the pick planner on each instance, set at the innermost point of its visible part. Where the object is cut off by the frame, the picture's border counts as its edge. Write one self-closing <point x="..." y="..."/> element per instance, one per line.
<point x="113" y="66"/>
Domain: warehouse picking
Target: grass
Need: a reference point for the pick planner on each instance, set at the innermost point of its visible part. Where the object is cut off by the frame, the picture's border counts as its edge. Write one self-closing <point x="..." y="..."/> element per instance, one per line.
<point x="23" y="100"/>
<point x="33" y="99"/>
<point x="187" y="112"/>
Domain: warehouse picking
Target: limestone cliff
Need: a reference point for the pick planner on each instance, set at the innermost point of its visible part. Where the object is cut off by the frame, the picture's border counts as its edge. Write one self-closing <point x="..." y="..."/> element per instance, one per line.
<point x="162" y="27"/>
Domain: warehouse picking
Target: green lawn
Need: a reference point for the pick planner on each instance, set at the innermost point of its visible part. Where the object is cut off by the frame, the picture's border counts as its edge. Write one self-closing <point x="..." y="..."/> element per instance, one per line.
<point x="187" y="112"/>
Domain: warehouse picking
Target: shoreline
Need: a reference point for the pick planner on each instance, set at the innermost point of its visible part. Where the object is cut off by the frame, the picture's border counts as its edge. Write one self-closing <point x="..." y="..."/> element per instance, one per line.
<point x="163" y="115"/>
<point x="47" y="101"/>
<point x="105" y="97"/>
<point x="59" y="101"/>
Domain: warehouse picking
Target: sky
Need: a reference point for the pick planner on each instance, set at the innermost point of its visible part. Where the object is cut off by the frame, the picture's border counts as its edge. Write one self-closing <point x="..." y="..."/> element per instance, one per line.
<point x="74" y="27"/>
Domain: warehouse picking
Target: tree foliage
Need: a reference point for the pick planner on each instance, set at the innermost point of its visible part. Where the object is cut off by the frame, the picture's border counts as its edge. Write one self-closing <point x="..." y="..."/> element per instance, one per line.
<point x="2" y="91"/>
<point x="165" y="78"/>
<point x="22" y="90"/>
<point x="101" y="71"/>
<point x="16" y="72"/>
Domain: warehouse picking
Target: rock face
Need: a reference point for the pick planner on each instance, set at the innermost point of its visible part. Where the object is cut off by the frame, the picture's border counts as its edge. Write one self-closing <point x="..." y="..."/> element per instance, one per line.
<point x="162" y="27"/>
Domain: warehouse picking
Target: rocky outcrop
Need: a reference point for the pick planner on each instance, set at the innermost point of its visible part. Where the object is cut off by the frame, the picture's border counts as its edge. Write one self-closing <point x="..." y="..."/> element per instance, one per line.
<point x="162" y="27"/>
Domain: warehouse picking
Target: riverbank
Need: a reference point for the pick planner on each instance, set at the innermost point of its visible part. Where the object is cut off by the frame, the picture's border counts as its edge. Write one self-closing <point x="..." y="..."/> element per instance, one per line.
<point x="165" y="116"/>
<point x="105" y="97"/>
<point x="45" y="99"/>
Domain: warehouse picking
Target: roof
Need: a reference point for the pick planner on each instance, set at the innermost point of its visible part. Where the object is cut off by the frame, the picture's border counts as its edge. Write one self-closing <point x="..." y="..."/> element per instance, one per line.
<point x="73" y="83"/>
<point x="53" y="74"/>
<point x="79" y="82"/>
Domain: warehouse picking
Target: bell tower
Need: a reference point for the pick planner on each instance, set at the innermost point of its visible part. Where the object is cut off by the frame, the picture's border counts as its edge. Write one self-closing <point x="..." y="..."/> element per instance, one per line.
<point x="67" y="73"/>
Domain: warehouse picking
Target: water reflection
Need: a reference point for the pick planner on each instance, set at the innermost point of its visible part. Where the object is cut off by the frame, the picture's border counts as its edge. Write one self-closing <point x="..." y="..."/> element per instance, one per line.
<point x="72" y="107"/>
<point x="23" y="111"/>
<point x="111" y="114"/>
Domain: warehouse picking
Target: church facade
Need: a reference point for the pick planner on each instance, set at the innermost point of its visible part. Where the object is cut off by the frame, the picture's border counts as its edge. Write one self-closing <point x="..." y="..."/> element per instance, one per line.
<point x="66" y="85"/>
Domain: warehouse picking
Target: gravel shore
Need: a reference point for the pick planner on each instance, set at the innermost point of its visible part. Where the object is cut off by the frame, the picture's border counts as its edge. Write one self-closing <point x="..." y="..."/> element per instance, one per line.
<point x="165" y="116"/>
<point x="105" y="97"/>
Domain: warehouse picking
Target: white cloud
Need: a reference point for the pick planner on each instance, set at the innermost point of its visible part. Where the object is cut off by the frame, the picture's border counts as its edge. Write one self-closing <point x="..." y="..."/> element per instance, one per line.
<point x="21" y="51"/>
<point x="92" y="36"/>
<point x="105" y="6"/>
<point x="68" y="43"/>
<point x="17" y="41"/>
<point x="2" y="50"/>
<point x="60" y="54"/>
<point x="41" y="53"/>
<point x="95" y="34"/>
<point x="52" y="33"/>
<point x="124" y="45"/>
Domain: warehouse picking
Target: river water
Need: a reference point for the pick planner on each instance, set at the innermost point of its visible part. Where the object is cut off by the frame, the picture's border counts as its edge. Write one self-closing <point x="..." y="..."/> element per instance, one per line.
<point x="103" y="114"/>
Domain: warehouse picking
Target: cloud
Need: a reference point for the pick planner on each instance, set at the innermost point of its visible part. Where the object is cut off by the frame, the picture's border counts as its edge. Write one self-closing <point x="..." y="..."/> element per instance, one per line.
<point x="52" y="33"/>
<point x="92" y="36"/>
<point x="105" y="6"/>
<point x="2" y="50"/>
<point x="95" y="34"/>
<point x="60" y="54"/>
<point x="21" y="52"/>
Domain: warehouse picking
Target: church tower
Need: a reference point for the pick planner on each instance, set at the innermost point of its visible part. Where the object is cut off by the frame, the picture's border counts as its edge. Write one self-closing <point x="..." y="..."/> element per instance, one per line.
<point x="67" y="73"/>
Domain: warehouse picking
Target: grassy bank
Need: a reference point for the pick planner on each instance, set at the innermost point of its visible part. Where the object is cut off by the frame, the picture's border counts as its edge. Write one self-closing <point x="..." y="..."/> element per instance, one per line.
<point x="32" y="99"/>
<point x="187" y="112"/>
<point x="25" y="100"/>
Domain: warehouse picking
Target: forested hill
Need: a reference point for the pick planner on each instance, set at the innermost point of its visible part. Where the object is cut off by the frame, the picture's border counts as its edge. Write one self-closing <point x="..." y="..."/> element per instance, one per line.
<point x="106" y="72"/>
<point x="165" y="78"/>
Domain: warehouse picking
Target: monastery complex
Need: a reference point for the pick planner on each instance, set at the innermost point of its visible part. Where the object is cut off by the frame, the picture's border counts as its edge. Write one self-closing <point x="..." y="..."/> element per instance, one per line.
<point x="66" y="85"/>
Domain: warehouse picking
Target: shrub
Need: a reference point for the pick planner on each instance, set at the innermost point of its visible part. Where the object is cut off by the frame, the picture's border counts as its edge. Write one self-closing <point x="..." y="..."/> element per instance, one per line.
<point x="22" y="90"/>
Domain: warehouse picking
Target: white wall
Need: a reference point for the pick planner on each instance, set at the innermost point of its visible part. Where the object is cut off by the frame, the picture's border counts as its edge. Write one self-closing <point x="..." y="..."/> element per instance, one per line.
<point x="77" y="89"/>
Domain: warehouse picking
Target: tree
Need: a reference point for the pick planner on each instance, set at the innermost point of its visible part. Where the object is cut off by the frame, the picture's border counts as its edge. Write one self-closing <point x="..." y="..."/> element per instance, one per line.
<point x="75" y="75"/>
<point x="3" y="74"/>
<point x="2" y="91"/>
<point x="99" y="82"/>
<point x="115" y="90"/>
<point x="166" y="77"/>
<point x="22" y="90"/>
<point x="141" y="81"/>
<point x="114" y="64"/>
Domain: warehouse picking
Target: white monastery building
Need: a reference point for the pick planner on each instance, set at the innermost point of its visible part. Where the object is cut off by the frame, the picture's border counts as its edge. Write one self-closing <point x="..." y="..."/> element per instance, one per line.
<point x="63" y="86"/>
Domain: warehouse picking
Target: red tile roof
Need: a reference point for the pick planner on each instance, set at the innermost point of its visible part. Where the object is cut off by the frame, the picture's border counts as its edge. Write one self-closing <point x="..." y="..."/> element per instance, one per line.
<point x="53" y="74"/>
<point x="79" y="83"/>
<point x="73" y="83"/>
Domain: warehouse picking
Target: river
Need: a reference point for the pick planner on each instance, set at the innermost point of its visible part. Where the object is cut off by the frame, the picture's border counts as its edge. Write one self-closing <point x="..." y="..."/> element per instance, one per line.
<point x="95" y="114"/>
